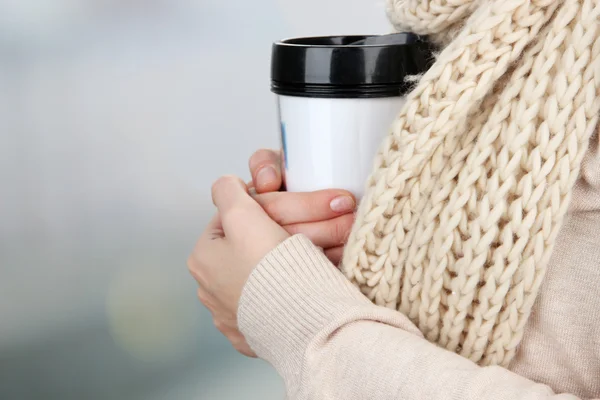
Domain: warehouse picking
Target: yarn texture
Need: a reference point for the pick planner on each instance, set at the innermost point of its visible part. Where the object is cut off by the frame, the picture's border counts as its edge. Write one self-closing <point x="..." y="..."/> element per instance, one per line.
<point x="470" y="188"/>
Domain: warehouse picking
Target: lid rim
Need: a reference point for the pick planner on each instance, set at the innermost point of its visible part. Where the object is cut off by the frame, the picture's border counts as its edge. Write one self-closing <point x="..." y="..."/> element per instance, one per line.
<point x="342" y="65"/>
<point x="286" y="42"/>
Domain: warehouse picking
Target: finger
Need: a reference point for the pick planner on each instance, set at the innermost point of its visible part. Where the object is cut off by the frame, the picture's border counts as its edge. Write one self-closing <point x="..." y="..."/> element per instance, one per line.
<point x="228" y="192"/>
<point x="242" y="217"/>
<point x="335" y="255"/>
<point x="265" y="167"/>
<point x="206" y="299"/>
<point x="239" y="343"/>
<point x="287" y="208"/>
<point x="325" y="234"/>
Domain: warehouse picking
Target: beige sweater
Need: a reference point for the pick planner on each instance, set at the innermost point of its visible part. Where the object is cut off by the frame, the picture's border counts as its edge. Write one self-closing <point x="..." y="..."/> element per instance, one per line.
<point x="329" y="342"/>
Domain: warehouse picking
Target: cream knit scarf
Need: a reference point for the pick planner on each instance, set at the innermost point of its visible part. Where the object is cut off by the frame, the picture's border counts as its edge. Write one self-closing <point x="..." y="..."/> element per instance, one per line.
<point x="470" y="188"/>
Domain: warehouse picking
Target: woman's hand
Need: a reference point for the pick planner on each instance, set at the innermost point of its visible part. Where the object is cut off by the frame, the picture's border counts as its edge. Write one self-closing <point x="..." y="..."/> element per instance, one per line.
<point x="325" y="216"/>
<point x="248" y="226"/>
<point x="234" y="242"/>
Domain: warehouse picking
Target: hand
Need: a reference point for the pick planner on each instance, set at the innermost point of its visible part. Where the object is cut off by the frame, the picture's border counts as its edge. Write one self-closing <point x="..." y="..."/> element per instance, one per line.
<point x="325" y="217"/>
<point x="234" y="242"/>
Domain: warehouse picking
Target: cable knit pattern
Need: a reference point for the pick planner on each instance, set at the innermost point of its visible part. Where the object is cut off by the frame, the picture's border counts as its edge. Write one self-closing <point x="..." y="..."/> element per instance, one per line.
<point x="471" y="187"/>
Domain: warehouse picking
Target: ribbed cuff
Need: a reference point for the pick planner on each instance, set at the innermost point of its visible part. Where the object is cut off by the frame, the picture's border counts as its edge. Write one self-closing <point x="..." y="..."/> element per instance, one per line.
<point x="293" y="293"/>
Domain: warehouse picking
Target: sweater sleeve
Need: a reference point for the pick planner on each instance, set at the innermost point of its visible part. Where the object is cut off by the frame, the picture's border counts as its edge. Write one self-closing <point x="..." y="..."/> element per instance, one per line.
<point x="327" y="341"/>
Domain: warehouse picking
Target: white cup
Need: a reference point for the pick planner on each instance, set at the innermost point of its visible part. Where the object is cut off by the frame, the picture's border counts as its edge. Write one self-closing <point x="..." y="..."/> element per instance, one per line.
<point x="337" y="97"/>
<point x="331" y="143"/>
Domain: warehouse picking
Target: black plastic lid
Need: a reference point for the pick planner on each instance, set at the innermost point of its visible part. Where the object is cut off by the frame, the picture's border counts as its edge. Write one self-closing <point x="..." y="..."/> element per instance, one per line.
<point x="348" y="66"/>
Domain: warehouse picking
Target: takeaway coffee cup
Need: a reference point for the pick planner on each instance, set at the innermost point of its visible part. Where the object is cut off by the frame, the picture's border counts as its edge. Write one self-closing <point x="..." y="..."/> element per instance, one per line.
<point x="337" y="97"/>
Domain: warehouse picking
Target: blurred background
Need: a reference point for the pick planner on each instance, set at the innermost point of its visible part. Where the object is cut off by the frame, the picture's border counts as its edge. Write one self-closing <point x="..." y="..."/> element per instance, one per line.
<point x="115" y="117"/>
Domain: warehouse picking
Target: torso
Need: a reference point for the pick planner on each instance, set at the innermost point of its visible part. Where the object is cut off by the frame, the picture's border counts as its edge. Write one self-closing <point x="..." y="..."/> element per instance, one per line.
<point x="561" y="346"/>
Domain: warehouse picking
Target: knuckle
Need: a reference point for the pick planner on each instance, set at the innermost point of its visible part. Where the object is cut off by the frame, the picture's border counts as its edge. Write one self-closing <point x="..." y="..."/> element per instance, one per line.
<point x="223" y="181"/>
<point x="203" y="297"/>
<point x="237" y="340"/>
<point x="338" y="232"/>
<point x="193" y="267"/>
<point x="222" y="327"/>
<point x="348" y="221"/>
<point x="201" y="279"/>
<point x="191" y="264"/>
<point x="342" y="228"/>
<point x="274" y="206"/>
<point x="239" y="346"/>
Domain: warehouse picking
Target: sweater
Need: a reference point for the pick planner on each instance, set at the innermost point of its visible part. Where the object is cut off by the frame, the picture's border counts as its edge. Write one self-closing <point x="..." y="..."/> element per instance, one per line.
<point x="328" y="341"/>
<point x="472" y="268"/>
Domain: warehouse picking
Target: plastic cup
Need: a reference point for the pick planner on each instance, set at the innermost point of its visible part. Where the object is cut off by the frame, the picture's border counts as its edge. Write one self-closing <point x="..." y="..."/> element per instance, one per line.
<point x="337" y="97"/>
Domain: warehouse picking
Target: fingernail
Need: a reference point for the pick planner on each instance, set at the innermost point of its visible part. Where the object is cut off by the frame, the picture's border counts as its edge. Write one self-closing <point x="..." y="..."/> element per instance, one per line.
<point x="342" y="204"/>
<point x="266" y="175"/>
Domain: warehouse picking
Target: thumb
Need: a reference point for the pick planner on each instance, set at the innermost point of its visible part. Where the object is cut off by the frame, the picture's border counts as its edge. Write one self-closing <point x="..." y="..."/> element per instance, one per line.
<point x="243" y="219"/>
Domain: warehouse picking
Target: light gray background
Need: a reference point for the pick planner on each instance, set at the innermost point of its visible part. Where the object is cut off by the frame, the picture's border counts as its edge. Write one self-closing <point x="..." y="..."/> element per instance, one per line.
<point x="115" y="117"/>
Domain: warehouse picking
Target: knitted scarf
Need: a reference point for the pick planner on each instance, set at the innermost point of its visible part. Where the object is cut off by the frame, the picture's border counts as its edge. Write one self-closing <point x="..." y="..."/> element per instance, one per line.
<point x="470" y="188"/>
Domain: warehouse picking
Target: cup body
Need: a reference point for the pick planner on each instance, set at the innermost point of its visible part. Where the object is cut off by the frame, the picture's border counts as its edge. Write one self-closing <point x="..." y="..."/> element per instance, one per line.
<point x="337" y="98"/>
<point x="332" y="142"/>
